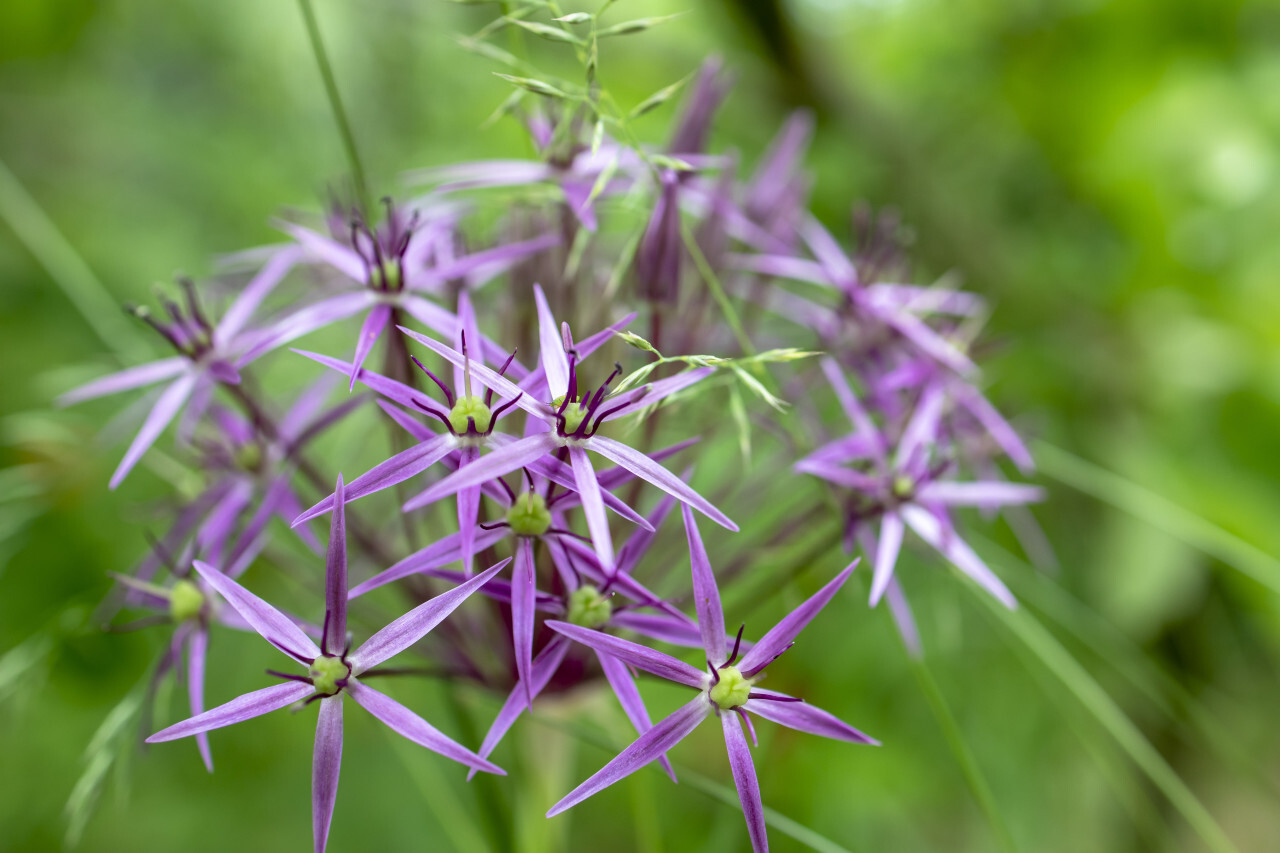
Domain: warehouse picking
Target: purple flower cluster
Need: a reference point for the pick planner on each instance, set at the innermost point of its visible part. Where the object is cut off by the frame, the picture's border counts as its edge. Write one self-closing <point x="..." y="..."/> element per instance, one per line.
<point x="536" y="469"/>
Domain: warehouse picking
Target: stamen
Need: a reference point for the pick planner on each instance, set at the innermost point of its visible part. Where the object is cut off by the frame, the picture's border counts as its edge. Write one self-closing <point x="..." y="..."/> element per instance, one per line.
<point x="491" y="525"/>
<point x="291" y="653"/>
<point x="736" y="644"/>
<point x="751" y="729"/>
<point x="488" y="394"/>
<point x="288" y="676"/>
<point x="773" y="698"/>
<point x="324" y="635"/>
<point x="466" y="367"/>
<point x="498" y="411"/>
<point x="448" y="395"/>
<point x="715" y="673"/>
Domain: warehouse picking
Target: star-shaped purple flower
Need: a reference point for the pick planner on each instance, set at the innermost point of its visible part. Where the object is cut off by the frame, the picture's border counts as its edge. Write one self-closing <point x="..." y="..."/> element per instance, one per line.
<point x="333" y="669"/>
<point x="726" y="690"/>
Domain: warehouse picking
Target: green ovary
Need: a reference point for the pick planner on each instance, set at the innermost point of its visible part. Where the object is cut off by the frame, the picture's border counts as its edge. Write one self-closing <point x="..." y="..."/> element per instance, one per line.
<point x="185" y="601"/>
<point x="588" y="608"/>
<point x="473" y="408"/>
<point x="733" y="689"/>
<point x="326" y="671"/>
<point x="529" y="515"/>
<point x="387" y="276"/>
<point x="903" y="487"/>
<point x="573" y="414"/>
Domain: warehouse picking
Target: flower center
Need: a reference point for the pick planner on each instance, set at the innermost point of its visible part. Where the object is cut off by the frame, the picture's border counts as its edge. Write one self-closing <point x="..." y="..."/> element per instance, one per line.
<point x="185" y="601"/>
<point x="733" y="688"/>
<point x="588" y="608"/>
<point x="329" y="674"/>
<point x="249" y="457"/>
<point x="468" y="410"/>
<point x="903" y="487"/>
<point x="529" y="515"/>
<point x="574" y="414"/>
<point x="386" y="276"/>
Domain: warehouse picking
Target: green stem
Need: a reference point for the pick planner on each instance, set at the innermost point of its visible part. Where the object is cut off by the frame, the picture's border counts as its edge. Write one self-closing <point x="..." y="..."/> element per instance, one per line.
<point x="335" y="102"/>
<point x="963" y="755"/>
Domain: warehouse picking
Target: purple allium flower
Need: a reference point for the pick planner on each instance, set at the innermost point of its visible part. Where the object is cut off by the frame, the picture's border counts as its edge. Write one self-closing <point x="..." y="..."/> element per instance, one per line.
<point x="727" y="686"/>
<point x="208" y="354"/>
<point x="332" y="670"/>
<point x="903" y="485"/>
<point x="573" y="414"/>
<point x="393" y="268"/>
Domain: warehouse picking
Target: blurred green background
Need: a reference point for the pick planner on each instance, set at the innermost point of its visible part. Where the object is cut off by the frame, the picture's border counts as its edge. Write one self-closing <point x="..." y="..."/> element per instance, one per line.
<point x="1105" y="172"/>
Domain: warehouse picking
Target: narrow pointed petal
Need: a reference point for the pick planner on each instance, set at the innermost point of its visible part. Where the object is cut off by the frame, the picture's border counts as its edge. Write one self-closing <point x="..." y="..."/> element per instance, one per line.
<point x="648" y="470"/>
<point x="468" y="512"/>
<point x="891" y="529"/>
<point x="409" y="725"/>
<point x="639" y="541"/>
<point x="661" y="626"/>
<point x="258" y="289"/>
<point x="372" y="327"/>
<point x="982" y="493"/>
<point x="661" y="389"/>
<point x="238" y="710"/>
<point x="134" y="377"/>
<point x="706" y="595"/>
<point x="307" y="320"/>
<point x="273" y="625"/>
<point x="414" y="625"/>
<point x="592" y="507"/>
<point x="516" y="455"/>
<point x="335" y="575"/>
<point x="197" y="650"/>
<point x="926" y="339"/>
<point x="397" y="469"/>
<point x="325" y="767"/>
<point x="489" y="378"/>
<point x="161" y="413"/>
<point x="904" y="619"/>
<point x="523" y="591"/>
<point x="435" y="555"/>
<point x="562" y="475"/>
<point x="803" y="717"/>
<point x="331" y="252"/>
<point x="997" y="427"/>
<point x="828" y="252"/>
<point x="624" y="687"/>
<point x="555" y="364"/>
<point x="389" y="388"/>
<point x="780" y="637"/>
<point x="641" y="657"/>
<point x="544" y="666"/>
<point x="467" y="326"/>
<point x="744" y="779"/>
<point x="954" y="549"/>
<point x="646" y="748"/>
<point x="922" y="429"/>
<point x="848" y="400"/>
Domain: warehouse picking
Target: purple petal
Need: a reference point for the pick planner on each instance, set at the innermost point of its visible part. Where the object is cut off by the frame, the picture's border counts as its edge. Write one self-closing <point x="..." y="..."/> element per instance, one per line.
<point x="954" y="549"/>
<point x="639" y="656"/>
<point x="646" y="469"/>
<point x="335" y="575"/>
<point x="660" y="626"/>
<point x="781" y="636"/>
<point x="744" y="778"/>
<point x="326" y="764"/>
<point x="437" y="554"/>
<point x="929" y="342"/>
<point x="803" y="717"/>
<point x="922" y="429"/>
<point x="503" y="461"/>
<point x="397" y="469"/>
<point x="904" y="620"/>
<point x="592" y="506"/>
<point x="523" y="592"/>
<point x="273" y="625"/>
<point x="408" y="724"/>
<point x="430" y="315"/>
<point x="258" y="288"/>
<point x="238" y="710"/>
<point x="646" y="748"/>
<point x="638" y="543"/>
<point x="197" y="648"/>
<point x="997" y="427"/>
<point x="466" y="326"/>
<point x="555" y="364"/>
<point x="468" y="512"/>
<point x="161" y="413"/>
<point x="373" y="325"/>
<point x="544" y="666"/>
<point x="307" y="320"/>
<point x="486" y="376"/>
<point x="706" y="596"/>
<point x="624" y="687"/>
<point x="891" y="530"/>
<point x="982" y="493"/>
<point x="134" y="377"/>
<point x="828" y="252"/>
<point x="331" y="252"/>
<point x="414" y="625"/>
<point x="562" y="475"/>
<point x="389" y="388"/>
<point x="848" y="400"/>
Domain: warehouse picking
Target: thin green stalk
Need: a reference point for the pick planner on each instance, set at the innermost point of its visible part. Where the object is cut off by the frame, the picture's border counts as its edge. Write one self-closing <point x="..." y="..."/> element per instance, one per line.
<point x="335" y="102"/>
<point x="1044" y="646"/>
<point x="68" y="270"/>
<point x="1159" y="512"/>
<point x="963" y="755"/>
